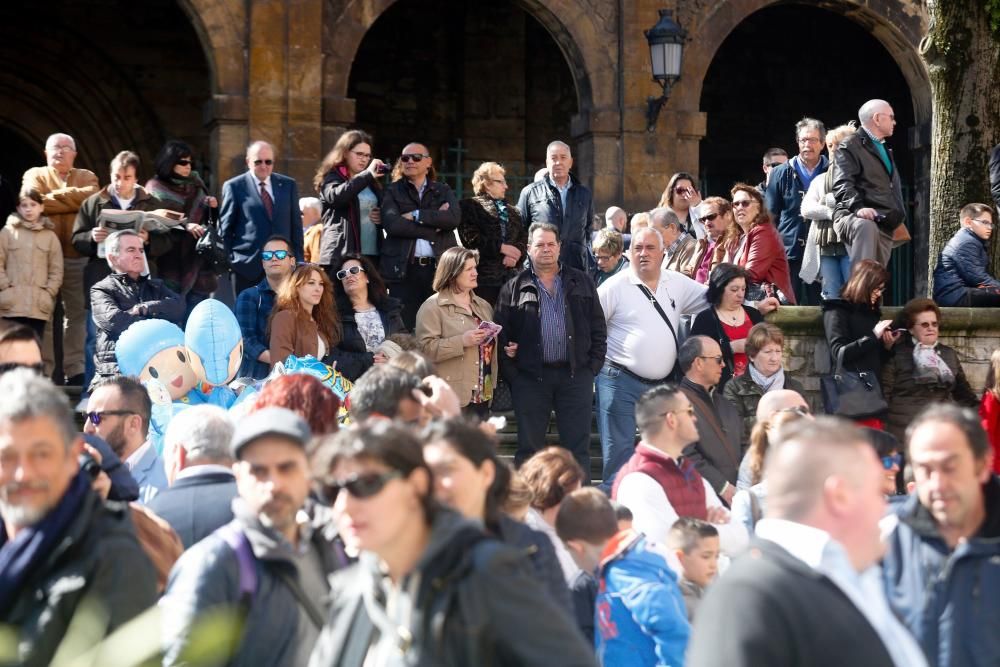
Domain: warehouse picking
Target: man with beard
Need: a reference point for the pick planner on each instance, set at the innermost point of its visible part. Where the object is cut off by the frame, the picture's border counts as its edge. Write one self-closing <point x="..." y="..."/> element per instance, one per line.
<point x="266" y="565"/>
<point x="118" y="411"/>
<point x="61" y="546"/>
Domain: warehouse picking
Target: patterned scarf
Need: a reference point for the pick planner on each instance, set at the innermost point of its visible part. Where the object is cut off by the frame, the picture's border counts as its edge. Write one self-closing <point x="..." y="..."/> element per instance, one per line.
<point x="929" y="367"/>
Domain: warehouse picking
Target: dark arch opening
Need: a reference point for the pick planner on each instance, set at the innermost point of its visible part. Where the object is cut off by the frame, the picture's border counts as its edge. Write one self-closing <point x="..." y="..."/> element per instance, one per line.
<point x="785" y="62"/>
<point x="485" y="73"/>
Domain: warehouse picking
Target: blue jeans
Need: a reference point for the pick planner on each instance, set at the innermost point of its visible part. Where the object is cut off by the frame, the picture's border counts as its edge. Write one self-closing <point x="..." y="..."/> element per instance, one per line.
<point x="834" y="272"/>
<point x="617" y="394"/>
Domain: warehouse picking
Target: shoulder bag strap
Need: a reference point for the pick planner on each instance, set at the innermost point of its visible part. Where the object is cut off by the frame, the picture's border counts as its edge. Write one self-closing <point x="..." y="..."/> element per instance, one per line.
<point x="314" y="614"/>
<point x="659" y="309"/>
<point x="714" y="422"/>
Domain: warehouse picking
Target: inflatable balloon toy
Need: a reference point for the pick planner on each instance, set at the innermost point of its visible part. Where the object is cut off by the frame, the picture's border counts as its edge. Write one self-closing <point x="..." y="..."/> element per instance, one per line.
<point x="215" y="349"/>
<point x="328" y="375"/>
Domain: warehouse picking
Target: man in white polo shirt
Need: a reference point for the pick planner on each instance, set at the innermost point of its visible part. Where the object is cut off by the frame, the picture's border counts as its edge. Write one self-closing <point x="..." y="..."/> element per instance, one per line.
<point x="642" y="305"/>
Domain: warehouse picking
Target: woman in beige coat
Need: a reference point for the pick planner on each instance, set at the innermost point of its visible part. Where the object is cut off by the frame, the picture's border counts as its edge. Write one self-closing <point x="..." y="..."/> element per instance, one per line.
<point x="31" y="264"/>
<point x="448" y="332"/>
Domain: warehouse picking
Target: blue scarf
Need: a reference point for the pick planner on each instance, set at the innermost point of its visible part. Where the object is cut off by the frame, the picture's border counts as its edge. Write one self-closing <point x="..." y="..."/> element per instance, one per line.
<point x="20" y="557"/>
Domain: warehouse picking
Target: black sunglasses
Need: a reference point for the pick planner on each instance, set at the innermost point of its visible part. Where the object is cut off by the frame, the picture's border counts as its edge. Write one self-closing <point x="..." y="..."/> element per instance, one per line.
<point x="708" y="218"/>
<point x="353" y="271"/>
<point x="257" y="163"/>
<point x="268" y="255"/>
<point x="361" y="486"/>
<point x="416" y="157"/>
<point x="96" y="417"/>
<point x="185" y="162"/>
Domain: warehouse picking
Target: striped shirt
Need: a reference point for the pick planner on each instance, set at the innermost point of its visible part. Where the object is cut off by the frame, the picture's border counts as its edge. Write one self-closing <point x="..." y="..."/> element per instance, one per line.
<point x="552" y="311"/>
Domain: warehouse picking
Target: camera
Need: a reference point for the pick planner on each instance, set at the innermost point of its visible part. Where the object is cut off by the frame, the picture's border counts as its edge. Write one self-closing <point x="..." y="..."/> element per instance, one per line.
<point x="384" y="168"/>
<point x="89" y="465"/>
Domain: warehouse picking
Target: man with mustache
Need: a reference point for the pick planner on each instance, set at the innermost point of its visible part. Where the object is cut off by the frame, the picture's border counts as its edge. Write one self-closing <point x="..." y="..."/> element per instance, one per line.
<point x="61" y="546"/>
<point x="269" y="564"/>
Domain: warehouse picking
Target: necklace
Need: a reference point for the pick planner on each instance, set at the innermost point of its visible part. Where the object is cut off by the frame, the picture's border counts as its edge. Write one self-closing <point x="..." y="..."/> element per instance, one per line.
<point x="732" y="317"/>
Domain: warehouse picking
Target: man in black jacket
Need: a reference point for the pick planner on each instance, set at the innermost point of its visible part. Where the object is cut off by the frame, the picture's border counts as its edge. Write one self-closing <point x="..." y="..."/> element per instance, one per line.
<point x="62" y="549"/>
<point x="553" y="339"/>
<point x="799" y="597"/>
<point x="866" y="187"/>
<point x="560" y="199"/>
<point x="125" y="297"/>
<point x="419" y="215"/>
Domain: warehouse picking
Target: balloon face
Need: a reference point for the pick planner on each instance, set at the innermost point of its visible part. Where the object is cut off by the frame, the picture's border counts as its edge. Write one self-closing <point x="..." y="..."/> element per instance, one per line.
<point x="171" y="368"/>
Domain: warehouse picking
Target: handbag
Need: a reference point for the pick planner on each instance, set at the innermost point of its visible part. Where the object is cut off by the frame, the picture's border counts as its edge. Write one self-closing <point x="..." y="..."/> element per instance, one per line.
<point x="210" y="247"/>
<point x="851" y="394"/>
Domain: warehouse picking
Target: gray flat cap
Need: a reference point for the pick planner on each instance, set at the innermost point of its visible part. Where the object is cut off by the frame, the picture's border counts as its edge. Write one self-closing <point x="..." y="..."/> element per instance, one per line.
<point x="274" y="422"/>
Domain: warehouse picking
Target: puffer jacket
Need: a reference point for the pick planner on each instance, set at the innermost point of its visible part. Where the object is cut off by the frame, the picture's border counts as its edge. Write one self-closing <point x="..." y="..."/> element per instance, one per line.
<point x="745" y="394"/>
<point x="31" y="268"/>
<point x="641" y="616"/>
<point x="112" y="299"/>
<point x="906" y="397"/>
<point x="440" y="325"/>
<point x="540" y="202"/>
<point x="860" y="180"/>
<point x="470" y="601"/>
<point x="962" y="264"/>
<point x="947" y="597"/>
<point x="480" y="230"/>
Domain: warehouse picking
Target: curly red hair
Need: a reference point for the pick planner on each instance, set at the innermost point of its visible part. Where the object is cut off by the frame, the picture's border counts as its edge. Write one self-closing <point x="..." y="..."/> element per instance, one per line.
<point x="305" y="395"/>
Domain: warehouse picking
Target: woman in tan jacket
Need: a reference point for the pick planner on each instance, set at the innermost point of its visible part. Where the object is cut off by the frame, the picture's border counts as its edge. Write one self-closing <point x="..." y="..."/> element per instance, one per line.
<point x="448" y="332"/>
<point x="304" y="320"/>
<point x="31" y="264"/>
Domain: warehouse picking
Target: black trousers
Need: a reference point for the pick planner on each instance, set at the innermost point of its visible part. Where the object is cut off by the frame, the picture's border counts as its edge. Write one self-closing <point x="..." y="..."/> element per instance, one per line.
<point x="413" y="291"/>
<point x="981" y="298"/>
<point x="572" y="398"/>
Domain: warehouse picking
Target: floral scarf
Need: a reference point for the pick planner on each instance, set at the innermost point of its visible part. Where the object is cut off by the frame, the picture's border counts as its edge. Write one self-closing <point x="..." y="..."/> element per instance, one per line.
<point x="929" y="367"/>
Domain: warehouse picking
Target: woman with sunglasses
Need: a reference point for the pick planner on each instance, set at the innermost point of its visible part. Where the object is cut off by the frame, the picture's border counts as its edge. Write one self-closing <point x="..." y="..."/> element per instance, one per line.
<point x="760" y="250"/>
<point x="368" y="315"/>
<point x="449" y="332"/>
<point x="921" y="370"/>
<point x="304" y="321"/>
<point x="348" y="185"/>
<point x="430" y="587"/>
<point x="179" y="187"/>
<point x="886" y="448"/>
<point x="728" y="321"/>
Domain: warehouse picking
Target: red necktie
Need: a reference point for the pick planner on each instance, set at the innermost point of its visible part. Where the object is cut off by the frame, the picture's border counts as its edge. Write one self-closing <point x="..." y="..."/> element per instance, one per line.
<point x="268" y="202"/>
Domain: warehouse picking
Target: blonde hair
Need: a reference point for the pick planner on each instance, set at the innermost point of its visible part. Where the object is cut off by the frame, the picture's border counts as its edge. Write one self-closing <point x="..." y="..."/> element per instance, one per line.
<point x="483" y="174"/>
<point x="759" y="442"/>
<point x="841" y="132"/>
<point x="993" y="375"/>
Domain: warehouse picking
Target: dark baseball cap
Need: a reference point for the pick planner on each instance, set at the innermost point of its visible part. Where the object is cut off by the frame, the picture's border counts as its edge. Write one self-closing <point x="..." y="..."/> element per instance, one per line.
<point x="269" y="422"/>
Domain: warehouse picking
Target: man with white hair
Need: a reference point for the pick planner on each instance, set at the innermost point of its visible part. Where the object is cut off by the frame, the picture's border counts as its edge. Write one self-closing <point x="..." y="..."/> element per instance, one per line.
<point x="199" y="469"/>
<point x="617" y="219"/>
<point x="312" y="230"/>
<point x="562" y="200"/>
<point x="642" y="306"/>
<point x="866" y="186"/>
<point x="255" y="206"/>
<point x="64" y="189"/>
<point x="808" y="587"/>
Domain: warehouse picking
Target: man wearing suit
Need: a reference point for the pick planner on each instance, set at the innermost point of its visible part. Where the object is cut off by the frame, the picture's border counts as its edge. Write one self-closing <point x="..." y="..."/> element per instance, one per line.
<point x="808" y="591"/>
<point x="255" y="206"/>
<point x="199" y="470"/>
<point x="118" y="410"/>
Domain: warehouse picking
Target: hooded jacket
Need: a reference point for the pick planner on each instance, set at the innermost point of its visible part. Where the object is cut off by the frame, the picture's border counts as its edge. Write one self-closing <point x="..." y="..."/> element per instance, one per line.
<point x="947" y="598"/>
<point x="641" y="617"/>
<point x="31" y="268"/>
<point x="468" y="601"/>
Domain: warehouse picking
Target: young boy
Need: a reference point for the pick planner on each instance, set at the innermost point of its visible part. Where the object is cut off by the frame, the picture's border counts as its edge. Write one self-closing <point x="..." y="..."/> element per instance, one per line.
<point x="639" y="611"/>
<point x="695" y="543"/>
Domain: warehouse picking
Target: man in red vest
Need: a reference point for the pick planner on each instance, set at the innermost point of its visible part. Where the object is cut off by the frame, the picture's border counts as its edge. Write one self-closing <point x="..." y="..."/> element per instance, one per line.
<point x="658" y="484"/>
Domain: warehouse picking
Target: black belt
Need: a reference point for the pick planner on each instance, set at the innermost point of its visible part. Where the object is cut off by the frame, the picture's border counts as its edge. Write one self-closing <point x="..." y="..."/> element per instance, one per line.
<point x="633" y="375"/>
<point x="556" y="364"/>
<point x="424" y="261"/>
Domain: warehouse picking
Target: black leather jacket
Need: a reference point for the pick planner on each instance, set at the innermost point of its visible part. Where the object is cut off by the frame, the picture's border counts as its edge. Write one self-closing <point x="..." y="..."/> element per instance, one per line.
<point x="540" y="202"/>
<point x="435" y="225"/>
<point x="860" y="180"/>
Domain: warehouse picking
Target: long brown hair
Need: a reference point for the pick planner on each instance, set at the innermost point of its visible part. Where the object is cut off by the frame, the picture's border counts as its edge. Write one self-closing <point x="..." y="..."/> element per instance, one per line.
<point x="338" y="154"/>
<point x="325" y="312"/>
<point x="763" y="216"/>
<point x="866" y="275"/>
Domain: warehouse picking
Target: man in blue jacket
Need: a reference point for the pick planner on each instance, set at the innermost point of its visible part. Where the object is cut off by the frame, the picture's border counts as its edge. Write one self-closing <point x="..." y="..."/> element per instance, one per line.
<point x="962" y="277"/>
<point x="942" y="565"/>
<point x="256" y="205"/>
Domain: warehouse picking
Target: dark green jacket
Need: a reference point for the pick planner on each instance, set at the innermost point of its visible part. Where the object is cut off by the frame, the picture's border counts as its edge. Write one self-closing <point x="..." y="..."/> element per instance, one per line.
<point x="745" y="394"/>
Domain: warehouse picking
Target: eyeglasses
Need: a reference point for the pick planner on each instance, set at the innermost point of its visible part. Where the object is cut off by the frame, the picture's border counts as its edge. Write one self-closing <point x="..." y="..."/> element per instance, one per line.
<point x="772" y="165"/>
<point x="257" y="163"/>
<point x="602" y="258"/>
<point x="800" y="410"/>
<point x="61" y="149"/>
<point x="353" y="271"/>
<point x="361" y="486"/>
<point x="808" y="140"/>
<point x="717" y="359"/>
<point x="185" y="162"/>
<point x="928" y="325"/>
<point x="709" y="218"/>
<point x="95" y="418"/>
<point x="984" y="223"/>
<point x="889" y="461"/>
<point x="416" y="157"/>
<point x="743" y="203"/>
<point x="268" y="255"/>
<point x="363" y="156"/>
<point x="683" y="192"/>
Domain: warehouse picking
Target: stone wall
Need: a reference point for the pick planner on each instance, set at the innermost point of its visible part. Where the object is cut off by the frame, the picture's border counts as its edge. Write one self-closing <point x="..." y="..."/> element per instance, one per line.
<point x="973" y="332"/>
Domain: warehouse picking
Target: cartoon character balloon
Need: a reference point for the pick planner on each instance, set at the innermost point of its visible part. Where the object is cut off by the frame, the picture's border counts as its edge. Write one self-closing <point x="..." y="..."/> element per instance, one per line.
<point x="215" y="349"/>
<point x="154" y="350"/>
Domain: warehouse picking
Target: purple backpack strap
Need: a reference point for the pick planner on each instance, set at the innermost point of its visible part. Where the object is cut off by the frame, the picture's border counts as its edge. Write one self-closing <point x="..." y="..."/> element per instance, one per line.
<point x="246" y="562"/>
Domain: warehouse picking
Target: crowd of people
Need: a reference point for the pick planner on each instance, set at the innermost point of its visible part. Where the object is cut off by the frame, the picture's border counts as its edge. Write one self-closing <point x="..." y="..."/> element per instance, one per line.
<point x="730" y="522"/>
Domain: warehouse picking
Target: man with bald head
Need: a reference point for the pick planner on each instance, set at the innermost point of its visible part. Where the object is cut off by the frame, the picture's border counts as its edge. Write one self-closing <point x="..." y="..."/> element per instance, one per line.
<point x="64" y="189"/>
<point x="257" y="205"/>
<point x="419" y="216"/>
<point x="807" y="591"/>
<point x="867" y="188"/>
